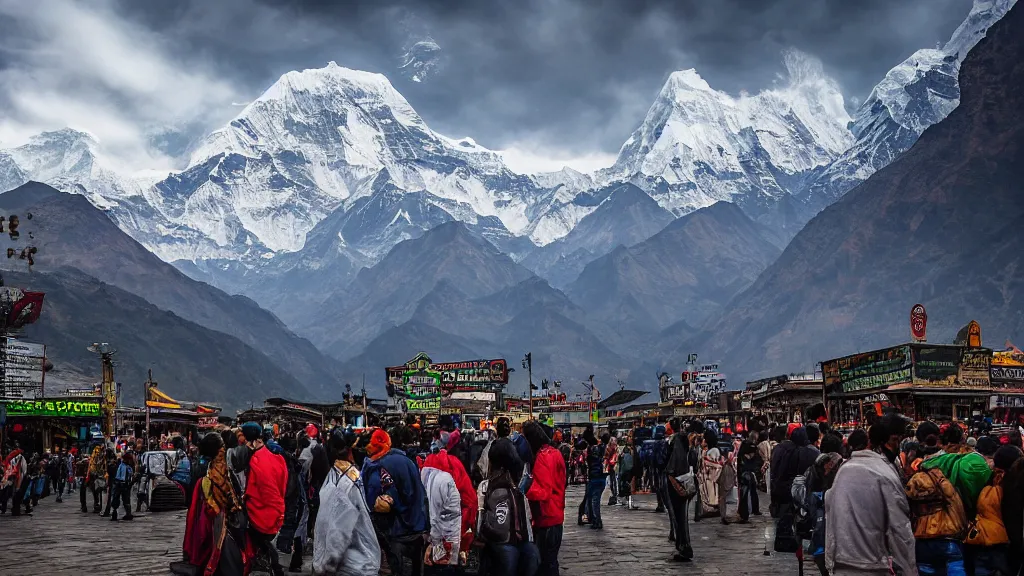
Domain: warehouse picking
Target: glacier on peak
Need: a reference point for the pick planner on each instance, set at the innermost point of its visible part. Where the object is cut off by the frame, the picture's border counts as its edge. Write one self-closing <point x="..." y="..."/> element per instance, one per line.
<point x="915" y="94"/>
<point x="698" y="145"/>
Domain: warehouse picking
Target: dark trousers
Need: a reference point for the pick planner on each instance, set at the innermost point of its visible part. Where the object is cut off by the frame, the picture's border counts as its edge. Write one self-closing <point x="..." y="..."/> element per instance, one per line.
<point x="595" y="487"/>
<point x="59" y="482"/>
<point x="511" y="559"/>
<point x="549" y="542"/>
<point x="395" y="549"/>
<point x="748" y="495"/>
<point x="118" y="496"/>
<point x="96" y="498"/>
<point x="940" y="557"/>
<point x="265" y="542"/>
<point x="19" y="498"/>
<point x="680" y="522"/>
<point x="5" y="495"/>
<point x="662" y="489"/>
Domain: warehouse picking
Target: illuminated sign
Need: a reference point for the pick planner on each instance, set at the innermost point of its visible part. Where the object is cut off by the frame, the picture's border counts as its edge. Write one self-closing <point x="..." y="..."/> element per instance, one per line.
<point x="424" y="405"/>
<point x="67" y="408"/>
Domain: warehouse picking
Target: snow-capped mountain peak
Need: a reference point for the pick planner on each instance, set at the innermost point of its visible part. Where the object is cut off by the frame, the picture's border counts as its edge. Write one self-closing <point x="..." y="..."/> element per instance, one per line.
<point x="699" y="145"/>
<point x="915" y="94"/>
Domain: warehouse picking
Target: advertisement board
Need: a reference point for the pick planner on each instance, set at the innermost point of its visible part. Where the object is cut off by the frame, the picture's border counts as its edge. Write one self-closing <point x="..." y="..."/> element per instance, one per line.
<point x="936" y="365"/>
<point x="869" y="370"/>
<point x="975" y="364"/>
<point x="68" y="408"/>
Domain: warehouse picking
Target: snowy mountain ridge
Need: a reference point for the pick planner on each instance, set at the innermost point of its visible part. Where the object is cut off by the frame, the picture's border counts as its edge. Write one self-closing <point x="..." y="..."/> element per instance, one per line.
<point x="345" y="143"/>
<point x="915" y="94"/>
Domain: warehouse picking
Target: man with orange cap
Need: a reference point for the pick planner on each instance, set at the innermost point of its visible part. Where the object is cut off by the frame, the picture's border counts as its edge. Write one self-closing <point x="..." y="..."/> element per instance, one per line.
<point x="395" y="495"/>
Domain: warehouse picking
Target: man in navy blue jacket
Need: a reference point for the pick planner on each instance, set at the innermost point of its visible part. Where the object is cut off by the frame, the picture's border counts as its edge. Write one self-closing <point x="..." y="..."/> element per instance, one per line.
<point x="395" y="494"/>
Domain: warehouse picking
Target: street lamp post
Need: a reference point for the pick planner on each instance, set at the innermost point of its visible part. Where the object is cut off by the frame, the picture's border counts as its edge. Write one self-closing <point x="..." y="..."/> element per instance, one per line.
<point x="528" y="364"/>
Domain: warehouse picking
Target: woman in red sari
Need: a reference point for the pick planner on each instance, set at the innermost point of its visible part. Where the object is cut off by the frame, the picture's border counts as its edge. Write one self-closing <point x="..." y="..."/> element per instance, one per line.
<point x="214" y="536"/>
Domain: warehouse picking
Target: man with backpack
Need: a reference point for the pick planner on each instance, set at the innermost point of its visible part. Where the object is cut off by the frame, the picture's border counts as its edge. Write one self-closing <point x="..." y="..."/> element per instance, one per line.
<point x="654" y="455"/>
<point x="505" y="519"/>
<point x="868" y="529"/>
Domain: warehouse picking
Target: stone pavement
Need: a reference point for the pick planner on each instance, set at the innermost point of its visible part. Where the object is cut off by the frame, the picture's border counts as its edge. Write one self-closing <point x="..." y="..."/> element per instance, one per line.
<point x="59" y="540"/>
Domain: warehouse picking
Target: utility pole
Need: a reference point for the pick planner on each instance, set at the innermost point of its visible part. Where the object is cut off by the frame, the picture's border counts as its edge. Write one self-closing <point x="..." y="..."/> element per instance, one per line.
<point x="148" y="384"/>
<point x="366" y="421"/>
<point x="528" y="364"/>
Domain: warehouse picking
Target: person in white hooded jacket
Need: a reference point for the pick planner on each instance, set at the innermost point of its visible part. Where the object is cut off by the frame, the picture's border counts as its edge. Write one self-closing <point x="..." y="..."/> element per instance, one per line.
<point x="345" y="543"/>
<point x="445" y="510"/>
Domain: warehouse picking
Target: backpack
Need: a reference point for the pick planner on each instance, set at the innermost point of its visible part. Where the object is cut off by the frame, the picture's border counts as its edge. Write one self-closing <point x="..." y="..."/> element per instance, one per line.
<point x="183" y="471"/>
<point x="503" y="519"/>
<point x="13" y="471"/>
<point x="805" y="503"/>
<point x="654" y="454"/>
<point x="625" y="463"/>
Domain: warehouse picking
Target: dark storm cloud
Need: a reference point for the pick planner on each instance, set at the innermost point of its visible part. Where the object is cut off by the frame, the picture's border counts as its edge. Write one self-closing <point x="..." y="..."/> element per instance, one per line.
<point x="573" y="76"/>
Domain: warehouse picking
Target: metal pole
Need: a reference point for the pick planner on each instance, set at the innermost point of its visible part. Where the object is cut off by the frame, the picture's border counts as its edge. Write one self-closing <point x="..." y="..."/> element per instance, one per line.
<point x="529" y="374"/>
<point x="366" y="419"/>
<point x="147" y="385"/>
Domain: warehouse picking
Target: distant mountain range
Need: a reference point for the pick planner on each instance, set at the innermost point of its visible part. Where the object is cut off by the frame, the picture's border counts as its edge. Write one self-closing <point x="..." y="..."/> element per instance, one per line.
<point x="941" y="225"/>
<point x="330" y="202"/>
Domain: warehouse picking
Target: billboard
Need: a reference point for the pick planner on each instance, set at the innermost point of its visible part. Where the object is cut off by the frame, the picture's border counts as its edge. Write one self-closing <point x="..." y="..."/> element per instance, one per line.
<point x="69" y="408"/>
<point x="421" y="383"/>
<point x="868" y="371"/>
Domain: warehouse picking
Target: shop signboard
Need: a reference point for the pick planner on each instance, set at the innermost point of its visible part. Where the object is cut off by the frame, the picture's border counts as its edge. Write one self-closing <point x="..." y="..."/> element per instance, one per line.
<point x="1005" y="401"/>
<point x="936" y="365"/>
<point x="975" y="364"/>
<point x="868" y="371"/>
<point x="422" y="405"/>
<point x="207" y="422"/>
<point x="1007" y="369"/>
<point x="482" y="396"/>
<point x="47" y="407"/>
<point x="23" y="370"/>
<point x="918" y="323"/>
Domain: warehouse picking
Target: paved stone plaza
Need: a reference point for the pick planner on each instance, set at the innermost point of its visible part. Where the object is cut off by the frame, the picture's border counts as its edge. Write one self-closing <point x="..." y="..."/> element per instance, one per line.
<point x="59" y="540"/>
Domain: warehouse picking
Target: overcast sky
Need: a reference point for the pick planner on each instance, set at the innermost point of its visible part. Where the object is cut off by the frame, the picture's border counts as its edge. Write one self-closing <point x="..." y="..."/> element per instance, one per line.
<point x="551" y="81"/>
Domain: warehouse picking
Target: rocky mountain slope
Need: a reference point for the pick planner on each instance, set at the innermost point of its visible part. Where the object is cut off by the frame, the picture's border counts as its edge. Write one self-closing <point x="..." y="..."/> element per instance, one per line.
<point x="688" y="271"/>
<point x="941" y="225"/>
<point x="69" y="232"/>
<point x="624" y="215"/>
<point x="189" y="361"/>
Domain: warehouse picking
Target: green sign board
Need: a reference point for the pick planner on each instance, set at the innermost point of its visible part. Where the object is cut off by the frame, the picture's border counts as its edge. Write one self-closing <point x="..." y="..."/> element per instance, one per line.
<point x="70" y="408"/>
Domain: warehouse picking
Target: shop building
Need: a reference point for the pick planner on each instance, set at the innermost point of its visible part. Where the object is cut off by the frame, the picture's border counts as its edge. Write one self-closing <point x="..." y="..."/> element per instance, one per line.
<point x="783" y="399"/>
<point x="922" y="381"/>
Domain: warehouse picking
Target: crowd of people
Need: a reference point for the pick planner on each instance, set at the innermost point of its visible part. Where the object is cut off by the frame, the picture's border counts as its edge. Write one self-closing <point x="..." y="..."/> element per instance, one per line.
<point x="415" y="500"/>
<point x="889" y="499"/>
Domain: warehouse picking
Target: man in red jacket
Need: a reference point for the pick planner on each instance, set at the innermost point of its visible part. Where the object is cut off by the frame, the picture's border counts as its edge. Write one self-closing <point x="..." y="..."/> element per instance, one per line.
<point x="266" y="484"/>
<point x="545" y="489"/>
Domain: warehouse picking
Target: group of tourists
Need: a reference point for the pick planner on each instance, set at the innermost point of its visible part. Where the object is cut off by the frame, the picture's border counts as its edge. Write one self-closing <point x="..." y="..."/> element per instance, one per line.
<point x="418" y="501"/>
<point x="25" y="479"/>
<point x="103" y="474"/>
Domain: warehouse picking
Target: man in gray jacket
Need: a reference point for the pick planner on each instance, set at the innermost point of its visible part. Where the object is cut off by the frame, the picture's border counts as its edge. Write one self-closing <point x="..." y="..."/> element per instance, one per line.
<point x="868" y="528"/>
<point x="345" y="543"/>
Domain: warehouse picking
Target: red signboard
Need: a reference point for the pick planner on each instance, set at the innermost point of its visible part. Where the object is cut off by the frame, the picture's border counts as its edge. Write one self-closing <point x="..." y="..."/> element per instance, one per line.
<point x="918" y="323"/>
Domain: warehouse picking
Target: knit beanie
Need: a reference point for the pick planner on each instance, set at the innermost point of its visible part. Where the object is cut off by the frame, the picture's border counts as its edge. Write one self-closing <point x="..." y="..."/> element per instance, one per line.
<point x="380" y="444"/>
<point x="252" y="431"/>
